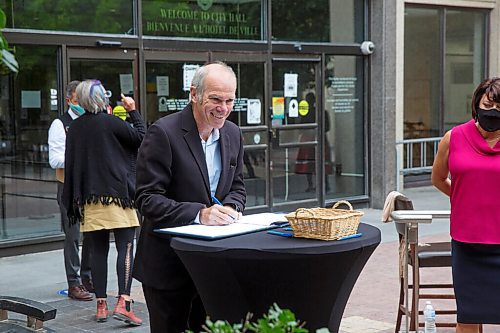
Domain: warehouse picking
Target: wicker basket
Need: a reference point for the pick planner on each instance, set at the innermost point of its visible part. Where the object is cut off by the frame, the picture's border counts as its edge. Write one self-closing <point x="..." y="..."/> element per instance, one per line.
<point x="325" y="223"/>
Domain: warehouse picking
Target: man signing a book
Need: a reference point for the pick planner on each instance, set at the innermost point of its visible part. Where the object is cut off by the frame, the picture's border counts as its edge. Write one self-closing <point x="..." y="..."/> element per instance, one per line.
<point x="189" y="170"/>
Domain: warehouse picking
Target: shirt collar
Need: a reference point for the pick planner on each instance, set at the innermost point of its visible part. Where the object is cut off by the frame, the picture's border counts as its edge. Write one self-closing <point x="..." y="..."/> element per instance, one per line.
<point x="72" y="114"/>
<point x="214" y="136"/>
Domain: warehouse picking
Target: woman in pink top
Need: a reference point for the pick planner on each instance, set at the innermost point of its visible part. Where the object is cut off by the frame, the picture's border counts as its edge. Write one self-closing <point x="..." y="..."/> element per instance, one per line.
<point x="467" y="168"/>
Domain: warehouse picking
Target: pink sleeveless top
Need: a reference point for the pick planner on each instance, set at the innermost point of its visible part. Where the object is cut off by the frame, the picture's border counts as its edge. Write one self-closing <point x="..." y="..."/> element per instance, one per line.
<point x="475" y="186"/>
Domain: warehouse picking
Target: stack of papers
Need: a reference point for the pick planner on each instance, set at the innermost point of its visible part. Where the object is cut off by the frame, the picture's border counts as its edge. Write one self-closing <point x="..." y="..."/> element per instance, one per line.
<point x="246" y="224"/>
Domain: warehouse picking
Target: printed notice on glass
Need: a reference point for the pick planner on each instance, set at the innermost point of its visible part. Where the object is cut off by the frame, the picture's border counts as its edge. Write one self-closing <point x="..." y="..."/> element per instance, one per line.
<point x="53" y="105"/>
<point x="162" y="86"/>
<point x="254" y="111"/>
<point x="53" y="99"/>
<point x="126" y="84"/>
<point x="176" y="104"/>
<point x="290" y="87"/>
<point x="342" y="94"/>
<point x="188" y="74"/>
<point x="162" y="104"/>
<point x="30" y="99"/>
<point x="293" y="108"/>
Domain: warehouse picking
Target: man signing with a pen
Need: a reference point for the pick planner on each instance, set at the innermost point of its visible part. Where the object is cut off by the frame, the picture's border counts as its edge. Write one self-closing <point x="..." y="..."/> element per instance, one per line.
<point x="189" y="170"/>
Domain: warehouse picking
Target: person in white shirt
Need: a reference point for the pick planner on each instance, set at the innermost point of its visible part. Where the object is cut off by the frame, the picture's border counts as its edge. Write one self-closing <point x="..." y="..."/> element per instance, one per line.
<point x="78" y="275"/>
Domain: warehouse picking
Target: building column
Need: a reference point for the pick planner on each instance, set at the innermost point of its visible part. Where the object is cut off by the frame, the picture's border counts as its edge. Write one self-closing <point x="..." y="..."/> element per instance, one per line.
<point x="386" y="96"/>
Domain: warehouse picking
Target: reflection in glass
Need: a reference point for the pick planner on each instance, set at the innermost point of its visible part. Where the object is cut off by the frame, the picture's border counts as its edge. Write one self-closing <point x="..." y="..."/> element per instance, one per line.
<point x="310" y="21"/>
<point x="344" y="135"/>
<point x="294" y="153"/>
<point x="250" y="90"/>
<point x="115" y="75"/>
<point x="348" y="23"/>
<point x="422" y="78"/>
<point x="110" y="16"/>
<point x="340" y="21"/>
<point x="464" y="67"/>
<point x="166" y="91"/>
<point x="28" y="104"/>
<point x="254" y="171"/>
<point x="465" y="38"/>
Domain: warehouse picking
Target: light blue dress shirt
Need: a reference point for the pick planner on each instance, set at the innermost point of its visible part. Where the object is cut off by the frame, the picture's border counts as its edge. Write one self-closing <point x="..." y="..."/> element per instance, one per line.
<point x="211" y="148"/>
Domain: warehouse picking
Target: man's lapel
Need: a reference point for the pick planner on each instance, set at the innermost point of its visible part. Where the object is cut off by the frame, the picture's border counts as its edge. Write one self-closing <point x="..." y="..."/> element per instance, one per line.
<point x="193" y="141"/>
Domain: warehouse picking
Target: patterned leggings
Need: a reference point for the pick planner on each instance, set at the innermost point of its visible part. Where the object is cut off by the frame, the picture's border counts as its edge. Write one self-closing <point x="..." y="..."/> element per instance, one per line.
<point x="99" y="242"/>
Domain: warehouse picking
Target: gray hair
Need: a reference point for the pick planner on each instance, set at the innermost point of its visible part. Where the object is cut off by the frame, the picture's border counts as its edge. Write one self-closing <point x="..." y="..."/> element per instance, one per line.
<point x="201" y="73"/>
<point x="71" y="88"/>
<point x="92" y="96"/>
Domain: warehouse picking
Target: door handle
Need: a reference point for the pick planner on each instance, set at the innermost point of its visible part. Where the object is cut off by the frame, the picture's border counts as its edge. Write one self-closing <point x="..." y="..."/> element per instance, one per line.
<point x="274" y="137"/>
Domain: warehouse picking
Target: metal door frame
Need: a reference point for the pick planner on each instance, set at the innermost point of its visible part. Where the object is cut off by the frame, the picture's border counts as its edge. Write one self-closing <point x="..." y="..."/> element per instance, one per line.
<point x="317" y="60"/>
<point x="70" y="53"/>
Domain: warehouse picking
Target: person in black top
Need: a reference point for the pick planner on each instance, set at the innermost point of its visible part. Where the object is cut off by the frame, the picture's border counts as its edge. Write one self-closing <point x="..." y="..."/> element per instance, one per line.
<point x="99" y="190"/>
<point x="186" y="159"/>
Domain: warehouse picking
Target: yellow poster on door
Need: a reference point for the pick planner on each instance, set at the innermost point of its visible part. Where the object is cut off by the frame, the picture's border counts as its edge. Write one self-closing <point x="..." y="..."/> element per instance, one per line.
<point x="278" y="107"/>
<point x="303" y="108"/>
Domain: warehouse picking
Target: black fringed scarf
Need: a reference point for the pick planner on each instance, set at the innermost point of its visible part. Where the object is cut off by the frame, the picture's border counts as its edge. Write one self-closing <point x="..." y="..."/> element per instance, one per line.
<point x="100" y="162"/>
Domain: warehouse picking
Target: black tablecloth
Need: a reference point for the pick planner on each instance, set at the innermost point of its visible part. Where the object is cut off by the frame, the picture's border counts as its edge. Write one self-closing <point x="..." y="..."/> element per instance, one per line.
<point x="249" y="273"/>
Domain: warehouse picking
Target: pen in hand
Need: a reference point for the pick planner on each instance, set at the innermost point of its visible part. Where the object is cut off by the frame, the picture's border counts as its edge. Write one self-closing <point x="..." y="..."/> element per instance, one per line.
<point x="217" y="202"/>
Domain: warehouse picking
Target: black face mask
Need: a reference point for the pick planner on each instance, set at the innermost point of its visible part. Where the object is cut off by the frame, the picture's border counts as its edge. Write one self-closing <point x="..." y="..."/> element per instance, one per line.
<point x="489" y="120"/>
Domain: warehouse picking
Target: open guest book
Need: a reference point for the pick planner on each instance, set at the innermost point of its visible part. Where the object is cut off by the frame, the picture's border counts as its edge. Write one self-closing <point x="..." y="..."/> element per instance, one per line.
<point x="245" y="225"/>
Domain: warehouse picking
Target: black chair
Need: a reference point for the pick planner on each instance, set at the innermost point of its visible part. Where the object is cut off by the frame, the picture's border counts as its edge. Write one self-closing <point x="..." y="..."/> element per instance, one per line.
<point x="423" y="256"/>
<point x="36" y="314"/>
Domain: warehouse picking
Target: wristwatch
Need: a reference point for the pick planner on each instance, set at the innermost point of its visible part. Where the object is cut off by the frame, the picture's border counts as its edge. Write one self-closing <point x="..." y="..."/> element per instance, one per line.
<point x="236" y="207"/>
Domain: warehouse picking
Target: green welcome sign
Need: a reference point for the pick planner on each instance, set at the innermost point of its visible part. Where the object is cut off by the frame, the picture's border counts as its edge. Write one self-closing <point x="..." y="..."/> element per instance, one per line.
<point x="227" y="19"/>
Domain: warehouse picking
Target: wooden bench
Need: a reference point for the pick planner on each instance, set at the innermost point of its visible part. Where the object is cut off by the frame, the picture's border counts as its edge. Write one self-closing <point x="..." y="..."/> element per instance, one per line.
<point x="36" y="314"/>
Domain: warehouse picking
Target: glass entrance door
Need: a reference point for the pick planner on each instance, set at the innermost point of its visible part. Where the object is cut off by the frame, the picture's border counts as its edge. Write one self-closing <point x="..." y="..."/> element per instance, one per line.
<point x="116" y="70"/>
<point x="168" y="77"/>
<point x="249" y="114"/>
<point x="294" y="133"/>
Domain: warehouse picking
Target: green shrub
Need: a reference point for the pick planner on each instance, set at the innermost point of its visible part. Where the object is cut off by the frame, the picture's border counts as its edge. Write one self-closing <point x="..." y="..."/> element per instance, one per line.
<point x="277" y="320"/>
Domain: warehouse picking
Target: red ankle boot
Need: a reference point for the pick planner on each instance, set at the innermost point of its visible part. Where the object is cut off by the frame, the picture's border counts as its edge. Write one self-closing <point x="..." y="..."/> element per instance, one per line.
<point x="102" y="311"/>
<point x="124" y="312"/>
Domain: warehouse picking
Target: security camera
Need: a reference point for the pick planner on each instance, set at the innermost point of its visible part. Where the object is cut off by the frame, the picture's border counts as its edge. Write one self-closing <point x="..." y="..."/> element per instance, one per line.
<point x="367" y="47"/>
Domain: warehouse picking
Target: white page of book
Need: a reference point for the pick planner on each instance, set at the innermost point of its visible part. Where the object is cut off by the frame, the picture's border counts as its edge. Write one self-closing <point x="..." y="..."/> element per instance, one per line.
<point x="246" y="224"/>
<point x="265" y="219"/>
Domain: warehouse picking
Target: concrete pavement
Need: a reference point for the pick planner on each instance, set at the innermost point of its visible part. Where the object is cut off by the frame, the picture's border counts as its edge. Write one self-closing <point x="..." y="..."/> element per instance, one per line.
<point x="371" y="307"/>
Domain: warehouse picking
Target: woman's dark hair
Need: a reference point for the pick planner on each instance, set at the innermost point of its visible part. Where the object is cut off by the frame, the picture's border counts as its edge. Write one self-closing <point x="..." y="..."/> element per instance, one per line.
<point x="490" y="87"/>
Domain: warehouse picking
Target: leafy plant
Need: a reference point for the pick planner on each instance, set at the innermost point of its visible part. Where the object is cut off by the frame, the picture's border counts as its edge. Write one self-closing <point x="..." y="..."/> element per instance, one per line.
<point x="277" y="320"/>
<point x="8" y="60"/>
